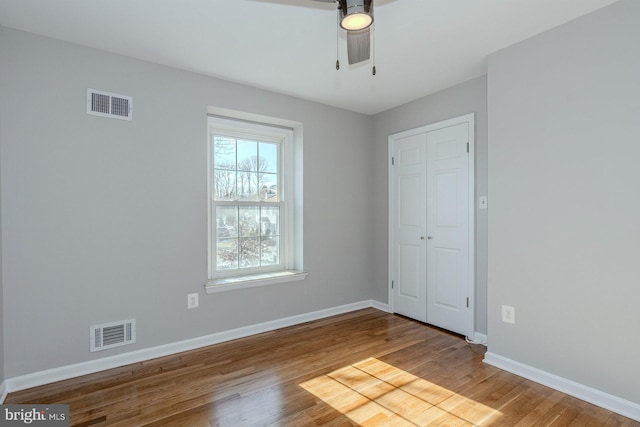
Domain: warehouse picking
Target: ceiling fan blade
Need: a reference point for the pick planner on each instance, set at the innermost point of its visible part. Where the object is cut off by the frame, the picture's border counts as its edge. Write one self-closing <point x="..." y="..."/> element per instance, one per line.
<point x="358" y="45"/>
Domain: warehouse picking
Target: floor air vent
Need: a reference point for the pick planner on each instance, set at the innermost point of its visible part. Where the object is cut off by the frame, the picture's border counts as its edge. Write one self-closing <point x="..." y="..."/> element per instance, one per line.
<point x="106" y="104"/>
<point x="115" y="334"/>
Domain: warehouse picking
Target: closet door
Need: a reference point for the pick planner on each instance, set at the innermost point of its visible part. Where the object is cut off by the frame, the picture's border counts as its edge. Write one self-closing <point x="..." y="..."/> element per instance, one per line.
<point x="448" y="228"/>
<point x="409" y="226"/>
<point x="431" y="224"/>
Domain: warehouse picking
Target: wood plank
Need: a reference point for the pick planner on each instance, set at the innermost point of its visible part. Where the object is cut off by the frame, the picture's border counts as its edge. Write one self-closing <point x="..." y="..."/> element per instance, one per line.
<point x="361" y="368"/>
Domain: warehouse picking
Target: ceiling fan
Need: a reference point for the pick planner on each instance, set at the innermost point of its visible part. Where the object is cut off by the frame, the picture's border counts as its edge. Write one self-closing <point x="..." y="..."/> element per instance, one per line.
<point x="355" y="17"/>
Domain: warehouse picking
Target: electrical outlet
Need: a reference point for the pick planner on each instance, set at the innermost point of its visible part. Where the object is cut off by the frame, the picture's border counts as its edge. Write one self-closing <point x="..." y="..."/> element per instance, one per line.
<point x="192" y="300"/>
<point x="508" y="314"/>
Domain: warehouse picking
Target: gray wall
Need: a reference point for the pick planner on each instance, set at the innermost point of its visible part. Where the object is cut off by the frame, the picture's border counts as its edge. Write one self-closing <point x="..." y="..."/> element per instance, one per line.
<point x="106" y="219"/>
<point x="2" y="96"/>
<point x="565" y="200"/>
<point x="468" y="97"/>
<point x="2" y="376"/>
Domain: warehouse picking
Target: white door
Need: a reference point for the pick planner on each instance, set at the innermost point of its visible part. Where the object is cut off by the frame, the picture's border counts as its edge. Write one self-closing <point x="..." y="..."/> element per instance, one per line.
<point x="431" y="224"/>
<point x="409" y="224"/>
<point x="448" y="228"/>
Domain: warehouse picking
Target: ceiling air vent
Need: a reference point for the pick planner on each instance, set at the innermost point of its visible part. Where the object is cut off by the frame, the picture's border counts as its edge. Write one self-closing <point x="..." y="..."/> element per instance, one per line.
<point x="106" y="104"/>
<point x="115" y="334"/>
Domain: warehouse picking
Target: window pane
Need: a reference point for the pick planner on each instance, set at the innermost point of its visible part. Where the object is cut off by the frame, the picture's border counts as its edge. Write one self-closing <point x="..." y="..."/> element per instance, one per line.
<point x="268" y="183"/>
<point x="249" y="252"/>
<point x="270" y="221"/>
<point x="227" y="254"/>
<point x="249" y="222"/>
<point x="226" y="221"/>
<point x="247" y="186"/>
<point x="247" y="155"/>
<point x="224" y="152"/>
<point x="268" y="153"/>
<point x="224" y="184"/>
<point x="270" y="247"/>
<point x="270" y="232"/>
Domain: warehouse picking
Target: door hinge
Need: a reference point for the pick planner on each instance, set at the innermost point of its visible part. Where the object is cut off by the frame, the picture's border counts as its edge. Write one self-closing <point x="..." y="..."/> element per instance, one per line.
<point x="393" y="161"/>
<point x="467" y="302"/>
<point x="467" y="147"/>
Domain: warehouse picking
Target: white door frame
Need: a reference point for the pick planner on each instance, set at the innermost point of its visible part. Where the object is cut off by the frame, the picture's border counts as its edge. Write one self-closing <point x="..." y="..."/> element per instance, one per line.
<point x="470" y="119"/>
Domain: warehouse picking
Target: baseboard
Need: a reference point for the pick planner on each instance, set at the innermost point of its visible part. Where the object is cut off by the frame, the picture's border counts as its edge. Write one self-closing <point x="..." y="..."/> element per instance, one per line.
<point x="479" y="338"/>
<point x="380" y="306"/>
<point x="613" y="403"/>
<point x="3" y="392"/>
<point x="71" y="371"/>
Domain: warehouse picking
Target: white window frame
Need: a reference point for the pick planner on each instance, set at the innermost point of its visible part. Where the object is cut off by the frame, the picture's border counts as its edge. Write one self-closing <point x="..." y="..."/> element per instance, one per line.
<point x="249" y="277"/>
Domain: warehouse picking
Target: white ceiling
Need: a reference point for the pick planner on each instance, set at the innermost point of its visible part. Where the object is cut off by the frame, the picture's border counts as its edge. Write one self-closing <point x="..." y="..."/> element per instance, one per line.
<point x="289" y="46"/>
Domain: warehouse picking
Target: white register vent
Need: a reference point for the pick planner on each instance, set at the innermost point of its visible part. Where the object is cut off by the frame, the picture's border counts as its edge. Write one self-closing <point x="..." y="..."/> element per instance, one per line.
<point x="107" y="104"/>
<point x="110" y="335"/>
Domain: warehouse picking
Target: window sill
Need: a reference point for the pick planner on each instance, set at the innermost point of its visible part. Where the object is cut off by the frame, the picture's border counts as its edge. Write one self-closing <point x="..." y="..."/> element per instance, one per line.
<point x="242" y="282"/>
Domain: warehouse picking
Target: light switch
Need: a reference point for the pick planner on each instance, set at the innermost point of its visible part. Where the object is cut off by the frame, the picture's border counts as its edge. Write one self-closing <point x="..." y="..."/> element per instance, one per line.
<point x="482" y="202"/>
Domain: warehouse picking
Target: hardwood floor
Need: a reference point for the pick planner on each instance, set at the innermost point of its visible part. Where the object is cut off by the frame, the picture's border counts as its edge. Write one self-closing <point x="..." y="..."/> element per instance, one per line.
<point x="365" y="368"/>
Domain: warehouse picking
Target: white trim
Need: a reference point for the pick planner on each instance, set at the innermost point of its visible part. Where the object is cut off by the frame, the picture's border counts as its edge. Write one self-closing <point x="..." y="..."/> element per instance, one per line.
<point x="380" y="306"/>
<point x="242" y="282"/>
<point x="479" y="338"/>
<point x="470" y="120"/>
<point x="3" y="392"/>
<point x="71" y="371"/>
<point x="471" y="291"/>
<point x="390" y="233"/>
<point x="605" y="400"/>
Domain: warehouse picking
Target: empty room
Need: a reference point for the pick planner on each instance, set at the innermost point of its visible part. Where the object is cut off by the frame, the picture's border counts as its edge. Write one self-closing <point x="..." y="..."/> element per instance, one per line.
<point x="319" y="212"/>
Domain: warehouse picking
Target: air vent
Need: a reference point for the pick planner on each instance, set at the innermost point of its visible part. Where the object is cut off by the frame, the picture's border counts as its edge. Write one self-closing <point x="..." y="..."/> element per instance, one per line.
<point x="115" y="334"/>
<point x="106" y="104"/>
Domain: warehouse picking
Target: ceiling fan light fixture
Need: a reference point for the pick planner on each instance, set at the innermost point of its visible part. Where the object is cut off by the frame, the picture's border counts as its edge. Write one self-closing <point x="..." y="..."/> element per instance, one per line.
<point x="356" y="17"/>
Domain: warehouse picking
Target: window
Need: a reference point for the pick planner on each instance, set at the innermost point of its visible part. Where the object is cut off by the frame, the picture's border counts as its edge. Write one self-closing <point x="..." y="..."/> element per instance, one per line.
<point x="251" y="209"/>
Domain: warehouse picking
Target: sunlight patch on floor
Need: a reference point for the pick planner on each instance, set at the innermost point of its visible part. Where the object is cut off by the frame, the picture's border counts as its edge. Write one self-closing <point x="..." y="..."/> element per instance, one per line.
<point x="375" y="393"/>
